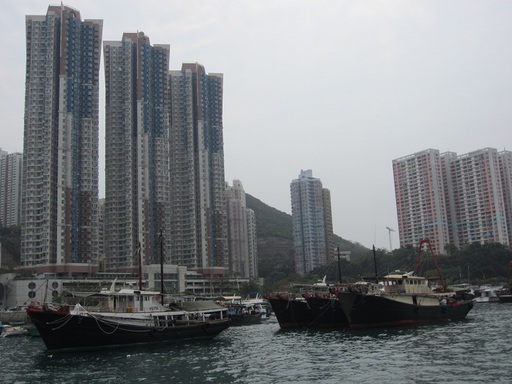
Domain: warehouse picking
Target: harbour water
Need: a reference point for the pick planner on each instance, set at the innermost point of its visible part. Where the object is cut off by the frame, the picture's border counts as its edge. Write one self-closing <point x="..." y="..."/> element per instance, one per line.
<point x="476" y="350"/>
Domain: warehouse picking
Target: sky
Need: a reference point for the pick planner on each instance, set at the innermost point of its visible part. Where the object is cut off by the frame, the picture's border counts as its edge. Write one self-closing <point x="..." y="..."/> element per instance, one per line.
<point x="339" y="87"/>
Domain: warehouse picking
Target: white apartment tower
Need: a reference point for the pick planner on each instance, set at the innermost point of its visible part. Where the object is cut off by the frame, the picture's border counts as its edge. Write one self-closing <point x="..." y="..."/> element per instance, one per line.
<point x="137" y="152"/>
<point x="10" y="188"/>
<point x="420" y="199"/>
<point x="453" y="199"/>
<point x="241" y="233"/>
<point x="479" y="208"/>
<point x="505" y="162"/>
<point x="60" y="144"/>
<point x="308" y="221"/>
<point x="197" y="191"/>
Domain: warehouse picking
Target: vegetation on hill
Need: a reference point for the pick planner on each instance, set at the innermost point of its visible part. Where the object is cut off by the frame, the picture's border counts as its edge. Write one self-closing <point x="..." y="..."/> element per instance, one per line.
<point x="10" y="239"/>
<point x="275" y="244"/>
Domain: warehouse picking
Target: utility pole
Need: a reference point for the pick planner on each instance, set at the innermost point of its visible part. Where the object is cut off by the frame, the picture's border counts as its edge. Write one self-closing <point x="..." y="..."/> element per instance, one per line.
<point x="389" y="232"/>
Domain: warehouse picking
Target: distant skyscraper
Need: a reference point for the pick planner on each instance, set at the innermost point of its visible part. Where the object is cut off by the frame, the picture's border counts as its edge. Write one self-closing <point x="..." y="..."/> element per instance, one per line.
<point x="308" y="220"/>
<point x="329" y="233"/>
<point x="198" y="207"/>
<point x="451" y="199"/>
<point x="10" y="188"/>
<point x="420" y="199"/>
<point x="241" y="233"/>
<point x="137" y="151"/>
<point x="252" y="238"/>
<point x="479" y="208"/>
<point x="60" y="147"/>
<point x="505" y="161"/>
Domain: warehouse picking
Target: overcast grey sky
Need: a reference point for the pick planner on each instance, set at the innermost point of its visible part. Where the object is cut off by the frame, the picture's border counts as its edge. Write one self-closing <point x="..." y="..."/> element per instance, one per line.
<point x="339" y="87"/>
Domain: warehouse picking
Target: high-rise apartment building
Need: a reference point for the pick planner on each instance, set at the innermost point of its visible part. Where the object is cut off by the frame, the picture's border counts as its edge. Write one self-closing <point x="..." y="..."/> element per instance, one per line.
<point x="451" y="199"/>
<point x="505" y="161"/>
<point x="479" y="208"/>
<point x="198" y="206"/>
<point x="137" y="151"/>
<point x="241" y="233"/>
<point x="420" y="199"/>
<point x="60" y="144"/>
<point x="308" y="221"/>
<point x="329" y="232"/>
<point x="10" y="188"/>
<point x="252" y="245"/>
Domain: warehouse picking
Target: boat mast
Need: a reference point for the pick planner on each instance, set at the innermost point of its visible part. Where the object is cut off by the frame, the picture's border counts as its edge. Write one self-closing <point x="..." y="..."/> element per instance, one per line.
<point x="162" y="266"/>
<point x="339" y="266"/>
<point x="427" y="241"/>
<point x="375" y="265"/>
<point x="140" y="268"/>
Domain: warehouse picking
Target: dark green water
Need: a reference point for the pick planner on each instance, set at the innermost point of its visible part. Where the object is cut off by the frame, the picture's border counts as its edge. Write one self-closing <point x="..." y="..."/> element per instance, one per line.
<point x="476" y="350"/>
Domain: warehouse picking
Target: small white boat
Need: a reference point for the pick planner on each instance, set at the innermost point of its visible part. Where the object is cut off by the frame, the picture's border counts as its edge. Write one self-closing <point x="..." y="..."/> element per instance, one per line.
<point x="13" y="331"/>
<point x="487" y="294"/>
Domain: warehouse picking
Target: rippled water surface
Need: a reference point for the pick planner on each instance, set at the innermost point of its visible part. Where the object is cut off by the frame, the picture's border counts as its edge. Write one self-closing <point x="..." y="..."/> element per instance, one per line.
<point x="476" y="350"/>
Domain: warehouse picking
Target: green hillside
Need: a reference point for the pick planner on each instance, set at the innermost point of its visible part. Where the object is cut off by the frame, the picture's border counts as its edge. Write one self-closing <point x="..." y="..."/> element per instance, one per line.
<point x="275" y="242"/>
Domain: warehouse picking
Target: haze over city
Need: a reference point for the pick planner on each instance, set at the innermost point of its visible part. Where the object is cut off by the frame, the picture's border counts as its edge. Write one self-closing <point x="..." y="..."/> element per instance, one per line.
<point x="338" y="87"/>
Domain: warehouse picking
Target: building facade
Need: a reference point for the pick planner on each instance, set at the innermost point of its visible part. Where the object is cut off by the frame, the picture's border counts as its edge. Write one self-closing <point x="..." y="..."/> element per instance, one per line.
<point x="137" y="151"/>
<point x="308" y="222"/>
<point x="505" y="163"/>
<point x="198" y="205"/>
<point x="451" y="199"/>
<point x="241" y="233"/>
<point x="331" y="250"/>
<point x="420" y="199"/>
<point x="60" y="144"/>
<point x="11" y="168"/>
<point x="479" y="208"/>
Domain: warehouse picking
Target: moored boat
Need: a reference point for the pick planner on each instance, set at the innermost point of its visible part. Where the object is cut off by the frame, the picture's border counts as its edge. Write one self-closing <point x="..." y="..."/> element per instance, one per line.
<point x="13" y="331"/>
<point x="261" y="304"/>
<point x="291" y="311"/>
<point x="487" y="295"/>
<point x="124" y="317"/>
<point x="317" y="306"/>
<point x="505" y="293"/>
<point x="405" y="299"/>
<point x="244" y="314"/>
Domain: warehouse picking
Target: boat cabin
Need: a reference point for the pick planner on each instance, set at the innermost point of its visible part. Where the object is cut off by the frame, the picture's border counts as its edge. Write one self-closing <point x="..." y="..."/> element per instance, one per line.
<point x="397" y="282"/>
<point x="129" y="300"/>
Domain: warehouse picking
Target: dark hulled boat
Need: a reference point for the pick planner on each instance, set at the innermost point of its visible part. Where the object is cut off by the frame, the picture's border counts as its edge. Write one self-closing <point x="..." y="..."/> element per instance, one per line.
<point x="126" y="317"/>
<point x="407" y="302"/>
<point x="505" y="293"/>
<point x="316" y="310"/>
<point x="403" y="299"/>
<point x="326" y="312"/>
<point x="290" y="311"/>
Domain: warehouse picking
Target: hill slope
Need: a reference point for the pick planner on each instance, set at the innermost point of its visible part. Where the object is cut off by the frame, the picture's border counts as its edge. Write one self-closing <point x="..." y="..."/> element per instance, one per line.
<point x="275" y="241"/>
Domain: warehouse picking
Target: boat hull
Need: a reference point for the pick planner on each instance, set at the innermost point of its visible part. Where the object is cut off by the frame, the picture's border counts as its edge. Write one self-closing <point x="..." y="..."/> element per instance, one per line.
<point x="505" y="298"/>
<point x="311" y="312"/>
<point x="327" y="312"/>
<point x="371" y="311"/>
<point x="244" y="319"/>
<point x="61" y="331"/>
<point x="291" y="312"/>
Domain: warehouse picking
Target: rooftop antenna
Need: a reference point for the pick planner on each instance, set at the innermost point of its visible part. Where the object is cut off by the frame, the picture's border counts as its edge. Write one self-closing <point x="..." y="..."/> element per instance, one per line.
<point x="389" y="232"/>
